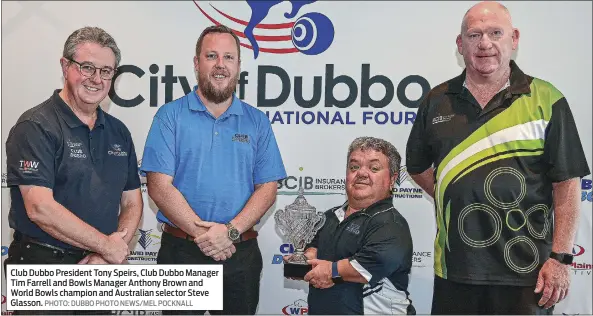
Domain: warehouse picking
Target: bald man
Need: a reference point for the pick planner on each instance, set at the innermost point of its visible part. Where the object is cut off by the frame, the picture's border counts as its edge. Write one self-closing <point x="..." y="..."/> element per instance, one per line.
<point x="499" y="152"/>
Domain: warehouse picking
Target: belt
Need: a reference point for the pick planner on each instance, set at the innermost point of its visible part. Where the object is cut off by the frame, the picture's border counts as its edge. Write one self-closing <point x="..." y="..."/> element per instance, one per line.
<point x="55" y="249"/>
<point x="249" y="234"/>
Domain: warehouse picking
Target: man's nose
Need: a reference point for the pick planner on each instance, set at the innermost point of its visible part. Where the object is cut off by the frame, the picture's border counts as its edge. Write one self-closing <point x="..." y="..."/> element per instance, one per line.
<point x="362" y="173"/>
<point x="485" y="42"/>
<point x="220" y="62"/>
<point x="96" y="77"/>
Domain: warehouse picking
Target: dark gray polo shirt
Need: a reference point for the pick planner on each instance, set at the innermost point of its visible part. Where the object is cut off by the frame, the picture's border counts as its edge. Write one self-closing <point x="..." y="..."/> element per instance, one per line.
<point x="87" y="169"/>
<point x="378" y="243"/>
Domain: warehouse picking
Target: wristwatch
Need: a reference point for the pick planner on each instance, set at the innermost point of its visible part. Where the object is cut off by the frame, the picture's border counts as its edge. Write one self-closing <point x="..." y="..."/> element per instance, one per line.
<point x="564" y="258"/>
<point x="233" y="232"/>
<point x="336" y="278"/>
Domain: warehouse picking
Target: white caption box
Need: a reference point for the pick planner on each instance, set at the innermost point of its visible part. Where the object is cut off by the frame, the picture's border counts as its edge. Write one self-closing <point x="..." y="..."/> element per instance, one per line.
<point x="114" y="287"/>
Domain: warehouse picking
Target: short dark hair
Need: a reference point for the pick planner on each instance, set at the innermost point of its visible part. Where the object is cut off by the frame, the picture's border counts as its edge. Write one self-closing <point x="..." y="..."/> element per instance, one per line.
<point x="217" y="29"/>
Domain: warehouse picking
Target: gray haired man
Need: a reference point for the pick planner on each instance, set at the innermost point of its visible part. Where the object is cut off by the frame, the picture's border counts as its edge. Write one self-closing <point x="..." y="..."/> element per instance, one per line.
<point x="71" y="167"/>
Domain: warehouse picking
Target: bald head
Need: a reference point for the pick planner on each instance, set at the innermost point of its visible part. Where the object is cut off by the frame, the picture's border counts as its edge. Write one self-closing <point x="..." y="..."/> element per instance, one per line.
<point x="486" y="8"/>
<point x="487" y="40"/>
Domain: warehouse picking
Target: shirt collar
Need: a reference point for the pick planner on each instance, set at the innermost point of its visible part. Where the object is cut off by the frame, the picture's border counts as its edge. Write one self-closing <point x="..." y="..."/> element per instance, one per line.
<point x="518" y="82"/>
<point x="68" y="115"/>
<point x="373" y="208"/>
<point x="507" y="84"/>
<point x="195" y="104"/>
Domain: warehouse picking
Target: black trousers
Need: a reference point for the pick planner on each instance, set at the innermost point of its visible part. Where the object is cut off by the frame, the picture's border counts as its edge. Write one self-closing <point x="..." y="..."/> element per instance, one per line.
<point x="22" y="251"/>
<point x="241" y="274"/>
<point x="453" y="298"/>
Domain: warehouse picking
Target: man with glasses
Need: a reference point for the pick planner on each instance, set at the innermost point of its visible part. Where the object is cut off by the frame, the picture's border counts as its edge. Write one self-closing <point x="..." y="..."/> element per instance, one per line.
<point x="71" y="166"/>
<point x="500" y="153"/>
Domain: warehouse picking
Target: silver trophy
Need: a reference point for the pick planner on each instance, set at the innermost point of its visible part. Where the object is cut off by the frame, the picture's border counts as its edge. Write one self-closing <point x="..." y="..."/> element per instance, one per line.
<point x="298" y="222"/>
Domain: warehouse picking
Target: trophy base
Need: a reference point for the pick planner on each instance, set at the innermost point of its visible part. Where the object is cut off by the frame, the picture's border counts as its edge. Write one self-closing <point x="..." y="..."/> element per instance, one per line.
<point x="296" y="270"/>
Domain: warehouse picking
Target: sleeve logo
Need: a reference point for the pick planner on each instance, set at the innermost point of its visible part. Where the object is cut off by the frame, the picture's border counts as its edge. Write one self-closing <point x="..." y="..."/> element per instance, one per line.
<point x="28" y="166"/>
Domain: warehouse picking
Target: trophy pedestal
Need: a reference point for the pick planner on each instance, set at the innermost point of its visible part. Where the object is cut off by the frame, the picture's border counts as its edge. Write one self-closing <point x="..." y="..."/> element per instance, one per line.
<point x="296" y="270"/>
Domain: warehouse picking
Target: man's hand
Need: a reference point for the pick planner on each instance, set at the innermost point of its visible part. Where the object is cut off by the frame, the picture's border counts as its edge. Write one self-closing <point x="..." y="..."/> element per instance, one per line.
<point x="310" y="253"/>
<point x="116" y="250"/>
<point x="225" y="254"/>
<point x="214" y="241"/>
<point x="554" y="280"/>
<point x="200" y="231"/>
<point x="321" y="274"/>
<point x="93" y="258"/>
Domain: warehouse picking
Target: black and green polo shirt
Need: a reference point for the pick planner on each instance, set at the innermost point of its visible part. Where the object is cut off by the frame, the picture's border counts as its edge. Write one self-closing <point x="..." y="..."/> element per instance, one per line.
<point x="494" y="169"/>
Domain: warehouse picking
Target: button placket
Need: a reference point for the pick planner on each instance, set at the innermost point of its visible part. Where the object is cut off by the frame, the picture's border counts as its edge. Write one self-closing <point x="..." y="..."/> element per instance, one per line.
<point x="216" y="131"/>
<point x="91" y="146"/>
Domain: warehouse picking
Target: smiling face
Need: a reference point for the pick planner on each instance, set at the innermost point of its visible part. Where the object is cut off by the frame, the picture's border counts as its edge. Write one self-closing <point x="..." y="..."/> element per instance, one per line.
<point x="368" y="178"/>
<point x="487" y="39"/>
<point x="85" y="91"/>
<point x="218" y="67"/>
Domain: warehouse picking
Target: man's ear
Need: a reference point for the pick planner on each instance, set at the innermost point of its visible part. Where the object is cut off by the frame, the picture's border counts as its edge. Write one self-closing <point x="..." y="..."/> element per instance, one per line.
<point x="515" y="36"/>
<point x="64" y="63"/>
<point x="393" y="178"/>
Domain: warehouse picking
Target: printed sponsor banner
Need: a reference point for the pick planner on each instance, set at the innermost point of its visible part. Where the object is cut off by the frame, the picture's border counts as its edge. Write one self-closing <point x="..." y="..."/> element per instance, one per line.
<point x="323" y="73"/>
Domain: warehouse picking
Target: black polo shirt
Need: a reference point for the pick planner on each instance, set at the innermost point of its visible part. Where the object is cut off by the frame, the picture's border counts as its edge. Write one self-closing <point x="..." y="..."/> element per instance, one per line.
<point x="87" y="169"/>
<point x="494" y="169"/>
<point x="378" y="243"/>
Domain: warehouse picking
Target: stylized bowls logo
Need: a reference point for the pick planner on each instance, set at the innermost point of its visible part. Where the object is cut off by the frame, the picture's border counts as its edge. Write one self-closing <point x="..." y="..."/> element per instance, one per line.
<point x="310" y="34"/>
<point x="577" y="250"/>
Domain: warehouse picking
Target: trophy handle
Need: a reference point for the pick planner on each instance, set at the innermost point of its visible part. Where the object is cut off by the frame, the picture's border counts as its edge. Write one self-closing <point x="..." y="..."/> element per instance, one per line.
<point x="319" y="223"/>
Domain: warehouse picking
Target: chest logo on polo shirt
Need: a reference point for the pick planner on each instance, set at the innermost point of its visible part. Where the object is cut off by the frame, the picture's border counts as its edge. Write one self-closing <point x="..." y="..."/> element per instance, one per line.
<point x="353" y="228"/>
<point x="241" y="138"/>
<point x="75" y="147"/>
<point x="116" y="151"/>
<point x="442" y="118"/>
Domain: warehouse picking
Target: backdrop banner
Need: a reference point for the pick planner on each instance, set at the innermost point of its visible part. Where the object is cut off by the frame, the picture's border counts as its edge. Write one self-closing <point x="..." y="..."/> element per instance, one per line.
<point x="324" y="73"/>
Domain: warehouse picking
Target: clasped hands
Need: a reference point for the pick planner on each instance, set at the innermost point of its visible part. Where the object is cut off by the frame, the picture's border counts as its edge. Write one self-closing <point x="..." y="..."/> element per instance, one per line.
<point x="113" y="250"/>
<point x="214" y="240"/>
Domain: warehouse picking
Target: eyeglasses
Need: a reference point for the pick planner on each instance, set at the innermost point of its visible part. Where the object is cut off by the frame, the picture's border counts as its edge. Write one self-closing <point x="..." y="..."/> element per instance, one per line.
<point x="88" y="70"/>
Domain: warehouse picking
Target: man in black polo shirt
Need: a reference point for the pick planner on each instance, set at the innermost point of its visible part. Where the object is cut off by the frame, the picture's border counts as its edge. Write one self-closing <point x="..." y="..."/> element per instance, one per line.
<point x="506" y="156"/>
<point x="71" y="166"/>
<point x="362" y="255"/>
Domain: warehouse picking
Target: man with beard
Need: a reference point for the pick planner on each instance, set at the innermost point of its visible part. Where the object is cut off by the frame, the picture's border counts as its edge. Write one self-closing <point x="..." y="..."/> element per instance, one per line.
<point x="500" y="153"/>
<point x="212" y="163"/>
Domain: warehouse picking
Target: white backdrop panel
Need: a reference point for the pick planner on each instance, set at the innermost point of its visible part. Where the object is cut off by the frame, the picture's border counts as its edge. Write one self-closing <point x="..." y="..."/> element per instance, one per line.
<point x="392" y="39"/>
